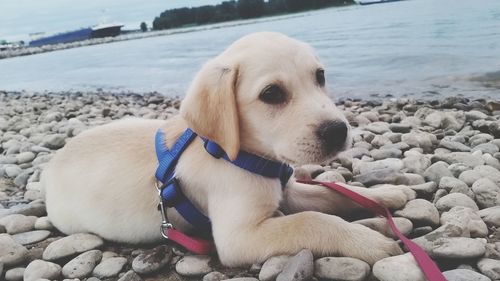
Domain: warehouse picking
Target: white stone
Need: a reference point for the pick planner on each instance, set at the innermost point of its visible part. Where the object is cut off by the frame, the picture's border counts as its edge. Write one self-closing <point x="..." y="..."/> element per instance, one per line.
<point x="72" y="245"/>
<point x="83" y="265"/>
<point x="11" y="252"/>
<point x="420" y="211"/>
<point x="272" y="267"/>
<point x="109" y="267"/>
<point x="468" y="218"/>
<point x="491" y="216"/>
<point x="455" y="199"/>
<point x="39" y="269"/>
<point x="398" y="268"/>
<point x="341" y="268"/>
<point x="193" y="265"/>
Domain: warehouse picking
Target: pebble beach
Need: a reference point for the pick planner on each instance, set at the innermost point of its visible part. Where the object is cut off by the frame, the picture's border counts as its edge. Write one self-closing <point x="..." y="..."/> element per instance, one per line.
<point x="446" y="150"/>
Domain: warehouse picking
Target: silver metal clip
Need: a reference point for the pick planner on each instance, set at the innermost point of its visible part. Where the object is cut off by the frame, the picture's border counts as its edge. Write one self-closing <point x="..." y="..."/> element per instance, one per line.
<point x="165" y="224"/>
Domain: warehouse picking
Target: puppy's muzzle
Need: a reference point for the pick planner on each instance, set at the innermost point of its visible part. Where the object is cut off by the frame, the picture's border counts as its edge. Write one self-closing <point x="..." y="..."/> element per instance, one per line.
<point x="332" y="135"/>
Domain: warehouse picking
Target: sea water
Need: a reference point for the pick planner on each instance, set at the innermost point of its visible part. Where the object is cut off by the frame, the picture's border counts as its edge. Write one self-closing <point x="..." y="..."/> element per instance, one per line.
<point x="415" y="48"/>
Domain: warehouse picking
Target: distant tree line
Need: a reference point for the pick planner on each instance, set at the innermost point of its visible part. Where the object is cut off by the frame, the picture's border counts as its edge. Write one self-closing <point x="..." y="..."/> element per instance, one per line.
<point x="240" y="9"/>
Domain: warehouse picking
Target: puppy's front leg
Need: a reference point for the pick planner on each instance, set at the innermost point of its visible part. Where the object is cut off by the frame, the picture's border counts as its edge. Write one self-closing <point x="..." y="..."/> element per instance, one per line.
<point x="300" y="197"/>
<point x="240" y="241"/>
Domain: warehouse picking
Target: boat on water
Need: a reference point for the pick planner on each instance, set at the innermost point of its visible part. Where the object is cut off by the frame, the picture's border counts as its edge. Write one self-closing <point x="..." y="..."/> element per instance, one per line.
<point x="98" y="31"/>
<point x="370" y="2"/>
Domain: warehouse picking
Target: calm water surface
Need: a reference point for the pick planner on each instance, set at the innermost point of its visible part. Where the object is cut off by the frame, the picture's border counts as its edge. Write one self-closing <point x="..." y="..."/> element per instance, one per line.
<point x="418" y="48"/>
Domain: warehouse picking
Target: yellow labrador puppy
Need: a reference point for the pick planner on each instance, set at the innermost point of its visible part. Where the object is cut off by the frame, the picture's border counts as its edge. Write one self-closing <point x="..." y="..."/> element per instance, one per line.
<point x="265" y="94"/>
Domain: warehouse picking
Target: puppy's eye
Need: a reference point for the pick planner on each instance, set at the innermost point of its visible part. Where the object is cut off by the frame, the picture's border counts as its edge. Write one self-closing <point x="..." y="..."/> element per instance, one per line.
<point x="272" y="94"/>
<point x="320" y="77"/>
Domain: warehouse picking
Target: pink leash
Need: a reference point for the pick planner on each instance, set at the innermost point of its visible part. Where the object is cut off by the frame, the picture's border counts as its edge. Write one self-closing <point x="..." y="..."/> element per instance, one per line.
<point x="195" y="245"/>
<point x="429" y="268"/>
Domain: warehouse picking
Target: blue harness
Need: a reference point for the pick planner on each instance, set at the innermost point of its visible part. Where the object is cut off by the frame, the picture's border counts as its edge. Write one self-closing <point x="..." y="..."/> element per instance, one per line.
<point x="170" y="191"/>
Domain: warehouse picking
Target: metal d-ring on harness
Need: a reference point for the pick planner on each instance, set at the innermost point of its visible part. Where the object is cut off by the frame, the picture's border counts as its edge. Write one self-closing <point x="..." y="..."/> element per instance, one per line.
<point x="165" y="224"/>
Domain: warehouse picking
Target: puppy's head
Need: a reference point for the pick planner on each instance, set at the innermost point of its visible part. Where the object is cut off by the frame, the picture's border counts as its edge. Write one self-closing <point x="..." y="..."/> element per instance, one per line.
<point x="266" y="94"/>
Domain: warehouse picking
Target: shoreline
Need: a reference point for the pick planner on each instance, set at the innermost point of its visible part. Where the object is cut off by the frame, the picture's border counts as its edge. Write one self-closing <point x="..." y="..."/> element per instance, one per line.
<point x="26" y="51"/>
<point x="447" y="151"/>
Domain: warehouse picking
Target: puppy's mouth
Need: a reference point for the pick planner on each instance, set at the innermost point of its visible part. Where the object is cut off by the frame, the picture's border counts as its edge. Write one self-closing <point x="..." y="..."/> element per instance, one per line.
<point x="316" y="155"/>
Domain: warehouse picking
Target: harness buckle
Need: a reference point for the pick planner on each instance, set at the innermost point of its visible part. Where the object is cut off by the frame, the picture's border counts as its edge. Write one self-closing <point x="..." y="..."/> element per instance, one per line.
<point x="165" y="224"/>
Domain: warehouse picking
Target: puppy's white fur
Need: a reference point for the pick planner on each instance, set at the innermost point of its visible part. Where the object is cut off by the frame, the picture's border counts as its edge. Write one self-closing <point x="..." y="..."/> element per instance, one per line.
<point x="103" y="181"/>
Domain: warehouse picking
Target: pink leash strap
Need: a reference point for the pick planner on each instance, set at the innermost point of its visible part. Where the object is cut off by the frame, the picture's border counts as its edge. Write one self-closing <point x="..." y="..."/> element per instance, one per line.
<point x="429" y="268"/>
<point x="194" y="245"/>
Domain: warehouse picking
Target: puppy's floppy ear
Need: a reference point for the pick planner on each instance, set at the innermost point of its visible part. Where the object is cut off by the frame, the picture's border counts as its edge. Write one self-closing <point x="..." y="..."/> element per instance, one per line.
<point x="210" y="108"/>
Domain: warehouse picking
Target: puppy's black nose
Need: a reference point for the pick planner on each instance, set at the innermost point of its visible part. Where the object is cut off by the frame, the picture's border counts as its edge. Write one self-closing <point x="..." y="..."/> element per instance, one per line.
<point x="332" y="135"/>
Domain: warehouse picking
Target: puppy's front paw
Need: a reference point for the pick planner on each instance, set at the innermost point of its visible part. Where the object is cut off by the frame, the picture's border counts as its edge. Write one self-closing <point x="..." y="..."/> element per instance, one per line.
<point x="369" y="245"/>
<point x="392" y="196"/>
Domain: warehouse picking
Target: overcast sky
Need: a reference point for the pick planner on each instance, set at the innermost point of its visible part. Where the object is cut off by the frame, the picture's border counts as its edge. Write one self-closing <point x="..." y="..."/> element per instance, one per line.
<point x="18" y="18"/>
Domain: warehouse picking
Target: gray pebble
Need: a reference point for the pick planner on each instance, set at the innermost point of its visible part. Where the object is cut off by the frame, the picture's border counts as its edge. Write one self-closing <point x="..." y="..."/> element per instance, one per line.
<point x="341" y="268"/>
<point x="436" y="171"/>
<point x="14" y="274"/>
<point x="391" y="269"/>
<point x="272" y="267"/>
<point x="129" y="276"/>
<point x="193" y="265"/>
<point x="109" y="267"/>
<point x="31" y="237"/>
<point x="17" y="223"/>
<point x="455" y="199"/>
<point x="299" y="267"/>
<point x="215" y="276"/>
<point x="464" y="275"/>
<point x="466" y="217"/>
<point x="43" y="223"/>
<point x="458" y="248"/>
<point x="491" y="216"/>
<point x="486" y="192"/>
<point x="420" y="211"/>
<point x="490" y="268"/>
<point x="39" y="269"/>
<point x="152" y="260"/>
<point x="71" y="245"/>
<point x="83" y="265"/>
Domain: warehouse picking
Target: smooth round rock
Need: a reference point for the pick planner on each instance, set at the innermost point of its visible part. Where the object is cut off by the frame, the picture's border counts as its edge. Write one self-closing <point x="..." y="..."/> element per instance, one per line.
<point x="455" y="199"/>
<point x="193" y="265"/>
<point x="39" y="269"/>
<point x="11" y="252"/>
<point x="17" y="223"/>
<point x="486" y="192"/>
<point x="436" y="171"/>
<point x="83" y="265"/>
<point x="464" y="275"/>
<point x="25" y="157"/>
<point x="467" y="217"/>
<point x="71" y="245"/>
<point x="215" y="276"/>
<point x="129" y="276"/>
<point x="398" y="268"/>
<point x="109" y="267"/>
<point x="299" y="267"/>
<point x="14" y="274"/>
<point x="31" y="237"/>
<point x="491" y="216"/>
<point x="420" y="211"/>
<point x="272" y="267"/>
<point x="458" y="248"/>
<point x="152" y="260"/>
<point x="490" y="268"/>
<point x="43" y="223"/>
<point x="334" y="268"/>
